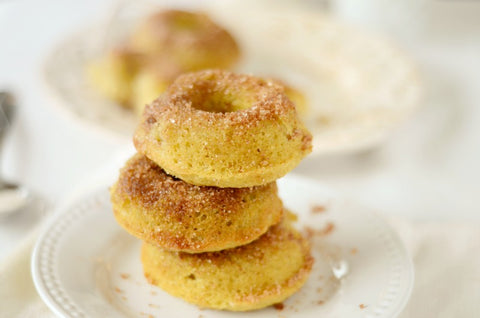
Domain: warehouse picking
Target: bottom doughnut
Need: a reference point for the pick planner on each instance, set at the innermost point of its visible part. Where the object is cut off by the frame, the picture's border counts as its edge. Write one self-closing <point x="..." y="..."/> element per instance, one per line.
<point x="252" y="276"/>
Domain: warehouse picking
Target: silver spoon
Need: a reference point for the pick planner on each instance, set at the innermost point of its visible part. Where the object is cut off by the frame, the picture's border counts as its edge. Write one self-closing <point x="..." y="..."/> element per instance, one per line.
<point x="13" y="197"/>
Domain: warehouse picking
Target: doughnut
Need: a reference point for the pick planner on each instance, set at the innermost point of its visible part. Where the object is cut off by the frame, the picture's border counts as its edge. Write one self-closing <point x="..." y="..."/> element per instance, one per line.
<point x="295" y="95"/>
<point x="112" y="74"/>
<point x="217" y="128"/>
<point x="177" y="216"/>
<point x="189" y="39"/>
<point x="151" y="81"/>
<point x="252" y="276"/>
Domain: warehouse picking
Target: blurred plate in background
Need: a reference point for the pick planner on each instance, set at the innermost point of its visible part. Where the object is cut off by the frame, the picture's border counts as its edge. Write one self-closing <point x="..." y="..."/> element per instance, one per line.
<point x="358" y="87"/>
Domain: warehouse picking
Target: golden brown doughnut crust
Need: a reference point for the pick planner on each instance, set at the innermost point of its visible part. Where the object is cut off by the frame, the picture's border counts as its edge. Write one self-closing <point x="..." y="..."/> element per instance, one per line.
<point x="223" y="129"/>
<point x="249" y="277"/>
<point x="191" y="39"/>
<point x="168" y="212"/>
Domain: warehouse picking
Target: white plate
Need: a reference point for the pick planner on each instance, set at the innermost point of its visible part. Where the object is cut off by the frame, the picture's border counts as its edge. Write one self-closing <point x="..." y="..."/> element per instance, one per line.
<point x="85" y="265"/>
<point x="359" y="87"/>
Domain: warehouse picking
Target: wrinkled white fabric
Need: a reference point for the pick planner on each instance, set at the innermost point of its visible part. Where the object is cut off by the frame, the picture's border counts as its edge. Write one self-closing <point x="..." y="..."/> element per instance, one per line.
<point x="447" y="270"/>
<point x="18" y="297"/>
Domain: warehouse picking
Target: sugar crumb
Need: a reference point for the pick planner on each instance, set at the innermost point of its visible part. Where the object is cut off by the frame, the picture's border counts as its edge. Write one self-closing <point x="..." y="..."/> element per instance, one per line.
<point x="326" y="230"/>
<point x="318" y="209"/>
<point x="309" y="232"/>
<point x="329" y="227"/>
<point x="362" y="306"/>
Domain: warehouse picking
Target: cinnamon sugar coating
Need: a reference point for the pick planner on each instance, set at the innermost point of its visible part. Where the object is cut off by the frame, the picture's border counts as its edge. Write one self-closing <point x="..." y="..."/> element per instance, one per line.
<point x="170" y="213"/>
<point x="252" y="276"/>
<point x="222" y="129"/>
<point x="189" y="39"/>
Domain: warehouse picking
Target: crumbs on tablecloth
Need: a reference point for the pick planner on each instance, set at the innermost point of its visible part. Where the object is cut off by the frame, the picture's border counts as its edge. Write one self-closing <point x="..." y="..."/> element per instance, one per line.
<point x="118" y="290"/>
<point x="124" y="298"/>
<point x="320" y="302"/>
<point x="153" y="292"/>
<point x="318" y="209"/>
<point x="354" y="251"/>
<point x="278" y="306"/>
<point x="362" y="306"/>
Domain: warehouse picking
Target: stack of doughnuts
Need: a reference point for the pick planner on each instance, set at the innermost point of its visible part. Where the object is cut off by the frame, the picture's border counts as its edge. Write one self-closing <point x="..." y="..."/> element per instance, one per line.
<point x="201" y="192"/>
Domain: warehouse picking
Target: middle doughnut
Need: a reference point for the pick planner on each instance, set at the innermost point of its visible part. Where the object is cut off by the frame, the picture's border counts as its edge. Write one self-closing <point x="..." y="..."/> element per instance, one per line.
<point x="174" y="215"/>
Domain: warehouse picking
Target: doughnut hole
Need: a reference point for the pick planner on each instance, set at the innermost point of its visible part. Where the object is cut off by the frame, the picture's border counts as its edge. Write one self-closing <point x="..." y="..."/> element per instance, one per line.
<point x="220" y="100"/>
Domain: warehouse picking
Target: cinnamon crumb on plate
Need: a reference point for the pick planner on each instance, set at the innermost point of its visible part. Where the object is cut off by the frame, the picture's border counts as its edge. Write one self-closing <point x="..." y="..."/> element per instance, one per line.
<point x="318" y="209"/>
<point x="329" y="227"/>
<point x="278" y="306"/>
<point x="326" y="230"/>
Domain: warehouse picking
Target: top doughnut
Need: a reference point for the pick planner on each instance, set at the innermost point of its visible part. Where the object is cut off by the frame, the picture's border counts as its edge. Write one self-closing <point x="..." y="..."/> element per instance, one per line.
<point x="222" y="129"/>
<point x="189" y="39"/>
